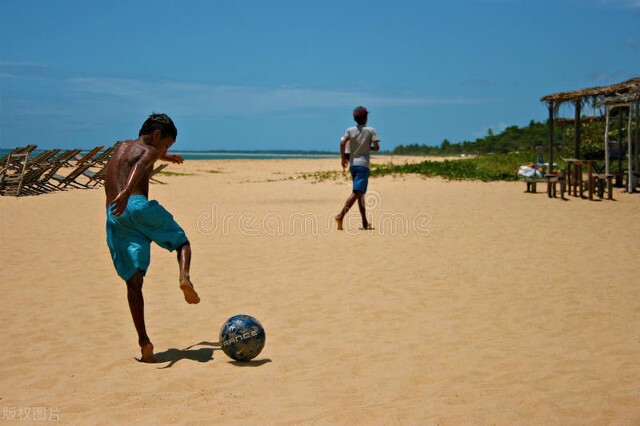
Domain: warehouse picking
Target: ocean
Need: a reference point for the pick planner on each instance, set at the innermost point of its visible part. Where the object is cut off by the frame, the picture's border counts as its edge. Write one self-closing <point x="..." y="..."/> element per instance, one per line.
<point x="252" y="155"/>
<point x="230" y="155"/>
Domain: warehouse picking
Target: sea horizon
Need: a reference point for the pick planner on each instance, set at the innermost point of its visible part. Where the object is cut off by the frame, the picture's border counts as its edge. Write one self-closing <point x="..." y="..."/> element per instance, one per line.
<point x="252" y="154"/>
<point x="221" y="154"/>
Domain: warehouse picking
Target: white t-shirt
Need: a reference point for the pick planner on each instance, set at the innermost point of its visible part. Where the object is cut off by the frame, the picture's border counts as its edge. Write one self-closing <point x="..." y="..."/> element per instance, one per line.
<point x="360" y="139"/>
<point x="347" y="148"/>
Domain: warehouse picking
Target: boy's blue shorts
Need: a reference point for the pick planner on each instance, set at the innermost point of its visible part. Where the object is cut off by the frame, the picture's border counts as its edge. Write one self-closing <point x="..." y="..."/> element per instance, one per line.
<point x="360" y="175"/>
<point x="129" y="235"/>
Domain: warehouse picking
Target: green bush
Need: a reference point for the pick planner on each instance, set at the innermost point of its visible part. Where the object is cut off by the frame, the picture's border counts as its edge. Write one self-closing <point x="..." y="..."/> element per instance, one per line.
<point x="486" y="168"/>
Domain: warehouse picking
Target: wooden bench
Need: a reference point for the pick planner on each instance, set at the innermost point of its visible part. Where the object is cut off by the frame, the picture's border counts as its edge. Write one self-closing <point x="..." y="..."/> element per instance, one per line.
<point x="552" y="185"/>
<point x="532" y="183"/>
<point x="601" y="181"/>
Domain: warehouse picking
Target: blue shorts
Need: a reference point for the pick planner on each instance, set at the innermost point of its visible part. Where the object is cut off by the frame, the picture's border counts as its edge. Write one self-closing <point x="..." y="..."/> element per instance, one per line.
<point x="360" y="175"/>
<point x="129" y="235"/>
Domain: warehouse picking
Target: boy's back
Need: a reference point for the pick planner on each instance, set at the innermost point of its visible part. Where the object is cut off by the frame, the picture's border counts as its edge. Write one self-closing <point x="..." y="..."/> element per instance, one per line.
<point x="119" y="168"/>
<point x="359" y="142"/>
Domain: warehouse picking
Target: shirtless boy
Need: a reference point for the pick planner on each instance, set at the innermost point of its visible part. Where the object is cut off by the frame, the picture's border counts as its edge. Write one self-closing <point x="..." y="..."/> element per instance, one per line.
<point x="133" y="221"/>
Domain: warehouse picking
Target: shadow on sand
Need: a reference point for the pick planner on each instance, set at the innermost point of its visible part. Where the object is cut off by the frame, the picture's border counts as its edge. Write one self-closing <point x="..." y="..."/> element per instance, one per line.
<point x="252" y="363"/>
<point x="174" y="355"/>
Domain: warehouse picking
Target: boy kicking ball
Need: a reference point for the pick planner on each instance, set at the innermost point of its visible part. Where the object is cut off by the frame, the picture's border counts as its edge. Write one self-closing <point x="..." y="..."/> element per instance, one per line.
<point x="133" y="221"/>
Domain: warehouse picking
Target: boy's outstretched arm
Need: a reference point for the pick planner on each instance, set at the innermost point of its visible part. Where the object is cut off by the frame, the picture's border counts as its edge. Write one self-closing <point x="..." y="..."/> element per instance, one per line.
<point x="173" y="158"/>
<point x="119" y="204"/>
<point x="376" y="146"/>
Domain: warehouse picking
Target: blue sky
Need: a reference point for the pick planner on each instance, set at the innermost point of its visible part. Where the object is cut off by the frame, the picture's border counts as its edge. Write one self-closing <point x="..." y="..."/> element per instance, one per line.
<point x="257" y="74"/>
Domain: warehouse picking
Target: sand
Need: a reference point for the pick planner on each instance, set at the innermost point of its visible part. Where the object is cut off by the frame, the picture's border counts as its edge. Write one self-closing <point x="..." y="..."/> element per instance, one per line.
<point x="469" y="303"/>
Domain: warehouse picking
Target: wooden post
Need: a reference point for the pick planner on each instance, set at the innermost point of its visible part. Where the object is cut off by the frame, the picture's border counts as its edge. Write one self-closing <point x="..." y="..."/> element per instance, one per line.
<point x="606" y="141"/>
<point x="637" y="145"/>
<point x="580" y="181"/>
<point x="619" y="146"/>
<point x="630" y="183"/>
<point x="591" y="179"/>
<point x="550" y="159"/>
<point x="576" y="140"/>
<point x="638" y="136"/>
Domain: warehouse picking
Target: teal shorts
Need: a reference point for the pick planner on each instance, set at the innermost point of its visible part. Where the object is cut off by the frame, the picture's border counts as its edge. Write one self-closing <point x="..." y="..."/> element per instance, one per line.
<point x="129" y="235"/>
<point x="360" y="176"/>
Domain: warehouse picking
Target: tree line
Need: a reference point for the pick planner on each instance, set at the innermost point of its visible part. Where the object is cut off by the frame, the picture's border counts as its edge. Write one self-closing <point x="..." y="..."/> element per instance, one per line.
<point x="523" y="139"/>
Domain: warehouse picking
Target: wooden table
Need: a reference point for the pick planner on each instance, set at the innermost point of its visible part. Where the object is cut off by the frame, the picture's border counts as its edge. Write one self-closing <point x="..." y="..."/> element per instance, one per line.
<point x="574" y="176"/>
<point x="575" y="179"/>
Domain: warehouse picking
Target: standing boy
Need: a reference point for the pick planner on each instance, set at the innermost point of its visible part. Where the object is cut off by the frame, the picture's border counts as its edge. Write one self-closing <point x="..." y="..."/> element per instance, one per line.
<point x="133" y="221"/>
<point x="361" y="140"/>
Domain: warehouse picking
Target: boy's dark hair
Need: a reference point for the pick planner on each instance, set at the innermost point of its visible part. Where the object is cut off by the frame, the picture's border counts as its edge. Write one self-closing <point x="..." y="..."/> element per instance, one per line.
<point x="360" y="115"/>
<point x="160" y="122"/>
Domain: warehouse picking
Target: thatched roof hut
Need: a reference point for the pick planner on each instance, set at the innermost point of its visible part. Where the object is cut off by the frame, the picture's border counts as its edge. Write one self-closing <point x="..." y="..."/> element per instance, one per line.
<point x="629" y="88"/>
<point x="626" y="93"/>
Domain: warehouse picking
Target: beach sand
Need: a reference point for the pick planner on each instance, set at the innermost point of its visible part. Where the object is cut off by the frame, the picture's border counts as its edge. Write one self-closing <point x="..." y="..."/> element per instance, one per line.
<point x="469" y="303"/>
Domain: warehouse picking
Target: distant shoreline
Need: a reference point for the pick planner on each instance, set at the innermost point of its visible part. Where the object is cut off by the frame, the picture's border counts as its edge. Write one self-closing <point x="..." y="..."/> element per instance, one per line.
<point x="228" y="154"/>
<point x="258" y="154"/>
<point x="253" y="155"/>
<point x="242" y="154"/>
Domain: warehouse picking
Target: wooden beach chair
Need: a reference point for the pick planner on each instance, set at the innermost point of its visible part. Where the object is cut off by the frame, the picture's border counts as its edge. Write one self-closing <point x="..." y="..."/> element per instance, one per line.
<point x="95" y="178"/>
<point x="65" y="157"/>
<point x="55" y="164"/>
<point x="43" y="157"/>
<point x="18" y="154"/>
<point x="103" y="158"/>
<point x="72" y="178"/>
<point x="24" y="183"/>
<point x="2" y="173"/>
<point x="30" y="174"/>
<point x="18" y="150"/>
<point x="39" y="170"/>
<point x="18" y="158"/>
<point x="89" y="155"/>
<point x="157" y="170"/>
<point x="14" y="171"/>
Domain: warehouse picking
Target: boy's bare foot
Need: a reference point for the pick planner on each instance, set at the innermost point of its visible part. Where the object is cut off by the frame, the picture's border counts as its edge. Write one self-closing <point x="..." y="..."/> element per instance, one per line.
<point x="190" y="294"/>
<point x="339" y="220"/>
<point x="147" y="353"/>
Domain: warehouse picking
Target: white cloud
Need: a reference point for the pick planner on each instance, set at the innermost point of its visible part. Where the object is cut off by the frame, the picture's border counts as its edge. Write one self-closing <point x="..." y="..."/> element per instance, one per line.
<point x="633" y="43"/>
<point x="194" y="98"/>
<point x="25" y="70"/>
<point x="627" y="4"/>
<point x="477" y="82"/>
<point x="495" y="1"/>
<point x="495" y="128"/>
<point x="606" y="77"/>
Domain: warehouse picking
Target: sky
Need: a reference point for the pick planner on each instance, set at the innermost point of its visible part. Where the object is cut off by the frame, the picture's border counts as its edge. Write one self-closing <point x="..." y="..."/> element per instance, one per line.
<point x="286" y="75"/>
